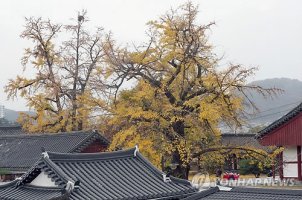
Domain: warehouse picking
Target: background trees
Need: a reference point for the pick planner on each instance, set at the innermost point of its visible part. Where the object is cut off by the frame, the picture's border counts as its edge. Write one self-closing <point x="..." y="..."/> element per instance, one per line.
<point x="180" y="94"/>
<point x="65" y="89"/>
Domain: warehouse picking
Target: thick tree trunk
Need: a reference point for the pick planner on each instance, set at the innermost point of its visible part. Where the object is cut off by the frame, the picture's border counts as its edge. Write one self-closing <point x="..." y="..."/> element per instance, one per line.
<point x="181" y="171"/>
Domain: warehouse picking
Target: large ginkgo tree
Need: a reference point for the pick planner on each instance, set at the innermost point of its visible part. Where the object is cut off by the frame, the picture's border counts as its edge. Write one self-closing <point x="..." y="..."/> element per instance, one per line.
<point x="181" y="94"/>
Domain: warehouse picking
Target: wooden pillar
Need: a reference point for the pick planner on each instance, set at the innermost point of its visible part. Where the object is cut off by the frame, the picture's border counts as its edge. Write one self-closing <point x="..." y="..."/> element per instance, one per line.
<point x="299" y="163"/>
<point x="273" y="168"/>
<point x="281" y="165"/>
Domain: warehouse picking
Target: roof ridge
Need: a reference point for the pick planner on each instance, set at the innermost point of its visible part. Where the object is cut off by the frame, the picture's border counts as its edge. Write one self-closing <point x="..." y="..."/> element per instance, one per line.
<point x="238" y="135"/>
<point x="41" y="187"/>
<point x="17" y="126"/>
<point x="203" y="193"/>
<point x="267" y="191"/>
<point x="91" y="156"/>
<point x="29" y="135"/>
<point x="9" y="183"/>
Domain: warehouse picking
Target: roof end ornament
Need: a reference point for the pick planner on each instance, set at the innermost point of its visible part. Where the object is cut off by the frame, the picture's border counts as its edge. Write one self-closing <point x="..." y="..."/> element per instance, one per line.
<point x="45" y="154"/>
<point x="136" y="150"/>
<point x="166" y="178"/>
<point x="69" y="186"/>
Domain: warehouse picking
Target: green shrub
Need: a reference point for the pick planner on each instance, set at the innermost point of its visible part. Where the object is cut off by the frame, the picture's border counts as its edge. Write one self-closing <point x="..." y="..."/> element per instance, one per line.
<point x="249" y="166"/>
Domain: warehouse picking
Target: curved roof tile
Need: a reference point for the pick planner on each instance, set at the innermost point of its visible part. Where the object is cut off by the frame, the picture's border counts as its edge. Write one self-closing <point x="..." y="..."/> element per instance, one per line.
<point x="20" y="152"/>
<point x="109" y="175"/>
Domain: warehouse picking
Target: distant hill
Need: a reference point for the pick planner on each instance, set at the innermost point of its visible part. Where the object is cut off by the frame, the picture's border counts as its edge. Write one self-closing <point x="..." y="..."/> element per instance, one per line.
<point x="12" y="115"/>
<point x="271" y="109"/>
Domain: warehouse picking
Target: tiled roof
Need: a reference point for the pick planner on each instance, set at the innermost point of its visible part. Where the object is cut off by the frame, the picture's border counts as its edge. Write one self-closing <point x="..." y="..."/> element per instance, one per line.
<point x="20" y="152"/>
<point x="10" y="192"/>
<point x="247" y="194"/>
<point x="106" y="176"/>
<point x="276" y="124"/>
<point x="241" y="139"/>
<point x="11" y="130"/>
<point x="203" y="194"/>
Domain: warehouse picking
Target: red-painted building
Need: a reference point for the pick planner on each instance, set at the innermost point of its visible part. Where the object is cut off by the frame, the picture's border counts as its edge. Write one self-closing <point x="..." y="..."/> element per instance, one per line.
<point x="286" y="132"/>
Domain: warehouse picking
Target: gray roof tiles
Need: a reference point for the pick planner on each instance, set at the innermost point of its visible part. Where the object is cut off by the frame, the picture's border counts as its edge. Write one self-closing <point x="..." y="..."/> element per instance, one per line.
<point x="20" y="152"/>
<point x="247" y="194"/>
<point x="10" y="192"/>
<point x="119" y="175"/>
<point x="241" y="139"/>
<point x="11" y="130"/>
<point x="107" y="176"/>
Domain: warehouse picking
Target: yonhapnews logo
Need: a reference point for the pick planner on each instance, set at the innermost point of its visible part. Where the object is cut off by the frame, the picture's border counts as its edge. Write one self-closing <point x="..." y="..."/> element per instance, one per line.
<point x="204" y="180"/>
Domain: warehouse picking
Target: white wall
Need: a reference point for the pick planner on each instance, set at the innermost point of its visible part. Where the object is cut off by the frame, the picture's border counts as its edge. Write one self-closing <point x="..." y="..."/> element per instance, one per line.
<point x="290" y="155"/>
<point x="290" y="170"/>
<point x="43" y="180"/>
<point x="2" y="113"/>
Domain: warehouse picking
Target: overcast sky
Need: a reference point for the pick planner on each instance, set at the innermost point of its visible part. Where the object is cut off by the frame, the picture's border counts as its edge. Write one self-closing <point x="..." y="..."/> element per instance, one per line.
<point x="262" y="33"/>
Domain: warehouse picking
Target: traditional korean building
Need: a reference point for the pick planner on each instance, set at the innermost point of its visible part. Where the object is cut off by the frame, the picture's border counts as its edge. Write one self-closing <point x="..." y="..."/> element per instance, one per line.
<point x="19" y="152"/>
<point x="6" y="129"/>
<point x="119" y="175"/>
<point x="246" y="193"/>
<point x="286" y="132"/>
<point x="245" y="140"/>
<point x="116" y="175"/>
<point x="241" y="140"/>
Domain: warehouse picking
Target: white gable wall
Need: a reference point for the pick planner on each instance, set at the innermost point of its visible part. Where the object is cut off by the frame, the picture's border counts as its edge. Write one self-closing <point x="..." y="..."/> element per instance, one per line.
<point x="43" y="180"/>
<point x="290" y="155"/>
<point x="290" y="170"/>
